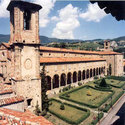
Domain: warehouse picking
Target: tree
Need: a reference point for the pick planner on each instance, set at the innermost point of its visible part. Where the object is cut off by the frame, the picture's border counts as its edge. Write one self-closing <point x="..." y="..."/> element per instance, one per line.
<point x="62" y="45"/>
<point x="45" y="100"/>
<point x="37" y="109"/>
<point x="110" y="69"/>
<point x="103" y="83"/>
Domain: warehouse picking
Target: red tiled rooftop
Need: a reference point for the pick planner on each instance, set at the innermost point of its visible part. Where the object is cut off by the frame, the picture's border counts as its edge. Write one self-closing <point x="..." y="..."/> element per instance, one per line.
<point x="44" y="48"/>
<point x="66" y="50"/>
<point x="71" y="59"/>
<point x="23" y="117"/>
<point x="5" y="88"/>
<point x="11" y="100"/>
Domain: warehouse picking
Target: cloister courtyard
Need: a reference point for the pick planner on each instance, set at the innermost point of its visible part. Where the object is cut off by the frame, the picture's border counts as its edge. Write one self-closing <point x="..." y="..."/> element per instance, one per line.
<point x="86" y="101"/>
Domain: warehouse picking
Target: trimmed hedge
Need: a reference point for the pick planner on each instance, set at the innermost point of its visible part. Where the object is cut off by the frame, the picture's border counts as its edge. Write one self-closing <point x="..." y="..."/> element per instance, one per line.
<point x="103" y="88"/>
<point x="94" y="122"/>
<point x="116" y="78"/>
<point x="66" y="119"/>
<point x="106" y="109"/>
<point x="120" y="86"/>
<point x="63" y="96"/>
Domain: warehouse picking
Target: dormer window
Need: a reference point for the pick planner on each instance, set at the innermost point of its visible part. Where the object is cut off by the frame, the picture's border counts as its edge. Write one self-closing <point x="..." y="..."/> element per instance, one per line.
<point x="27" y="20"/>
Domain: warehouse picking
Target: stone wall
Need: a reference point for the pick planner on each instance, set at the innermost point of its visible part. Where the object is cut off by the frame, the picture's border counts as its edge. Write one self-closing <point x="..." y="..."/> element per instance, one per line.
<point x="15" y="106"/>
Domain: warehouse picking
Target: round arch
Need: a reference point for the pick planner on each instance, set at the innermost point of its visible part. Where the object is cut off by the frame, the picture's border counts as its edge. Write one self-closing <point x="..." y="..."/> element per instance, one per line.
<point x="94" y="72"/>
<point x="97" y="72"/>
<point x="48" y="80"/>
<point x="63" y="80"/>
<point x="75" y="76"/>
<point x="83" y="75"/>
<point x="90" y="73"/>
<point x="69" y="77"/>
<point x="56" y="81"/>
<point x="79" y="75"/>
<point x="87" y="73"/>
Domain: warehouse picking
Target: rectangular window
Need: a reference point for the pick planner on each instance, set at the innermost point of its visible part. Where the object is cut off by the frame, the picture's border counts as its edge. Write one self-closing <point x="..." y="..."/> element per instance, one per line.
<point x="27" y="20"/>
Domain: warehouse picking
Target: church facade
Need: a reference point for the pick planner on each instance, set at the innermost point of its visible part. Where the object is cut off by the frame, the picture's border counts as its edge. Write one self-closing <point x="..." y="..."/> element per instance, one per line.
<point x="22" y="58"/>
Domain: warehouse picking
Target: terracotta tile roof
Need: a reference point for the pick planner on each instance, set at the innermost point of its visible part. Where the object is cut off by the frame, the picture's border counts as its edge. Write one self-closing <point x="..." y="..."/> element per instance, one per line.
<point x="66" y="50"/>
<point x="4" y="89"/>
<point x="22" y="118"/>
<point x="43" y="48"/>
<point x="71" y="59"/>
<point x="11" y="100"/>
<point x="109" y="53"/>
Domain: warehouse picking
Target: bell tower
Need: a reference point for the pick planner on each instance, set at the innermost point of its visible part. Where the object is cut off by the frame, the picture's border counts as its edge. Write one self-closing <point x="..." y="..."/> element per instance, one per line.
<point x="25" y="44"/>
<point x="106" y="45"/>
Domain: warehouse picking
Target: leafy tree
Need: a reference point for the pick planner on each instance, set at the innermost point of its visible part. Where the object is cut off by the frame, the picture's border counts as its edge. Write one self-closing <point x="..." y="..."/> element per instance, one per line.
<point x="37" y="109"/>
<point x="103" y="83"/>
<point x="110" y="69"/>
<point x="45" y="100"/>
<point x="62" y="107"/>
<point x="56" y="45"/>
<point x="62" y="45"/>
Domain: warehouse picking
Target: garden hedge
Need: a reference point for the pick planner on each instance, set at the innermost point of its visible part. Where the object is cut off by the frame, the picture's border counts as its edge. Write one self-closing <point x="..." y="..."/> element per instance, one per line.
<point x="120" y="86"/>
<point x="66" y="119"/>
<point x="63" y="96"/>
<point x="94" y="122"/>
<point x="106" y="109"/>
<point x="116" y="78"/>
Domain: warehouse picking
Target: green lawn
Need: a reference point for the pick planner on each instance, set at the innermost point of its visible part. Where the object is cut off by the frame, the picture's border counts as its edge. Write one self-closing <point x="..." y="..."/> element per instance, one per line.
<point x="71" y="114"/>
<point x="95" y="100"/>
<point x="115" y="83"/>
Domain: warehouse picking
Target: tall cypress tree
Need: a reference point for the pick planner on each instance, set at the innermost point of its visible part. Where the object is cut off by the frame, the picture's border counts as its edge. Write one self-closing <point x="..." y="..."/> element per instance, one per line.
<point x="110" y="69"/>
<point x="45" y="100"/>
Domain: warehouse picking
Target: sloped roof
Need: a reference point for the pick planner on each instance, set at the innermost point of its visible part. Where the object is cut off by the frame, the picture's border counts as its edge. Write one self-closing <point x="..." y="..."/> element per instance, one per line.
<point x="71" y="59"/>
<point x="4" y="89"/>
<point x="11" y="100"/>
<point x="22" y="117"/>
<point x="50" y="49"/>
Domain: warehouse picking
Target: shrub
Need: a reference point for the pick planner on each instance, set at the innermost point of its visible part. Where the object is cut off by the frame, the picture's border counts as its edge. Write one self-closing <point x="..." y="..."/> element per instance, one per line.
<point x="62" y="107"/>
<point x="37" y="109"/>
<point x="89" y="93"/>
<point x="94" y="122"/>
<point x="79" y="83"/>
<point x="103" y="83"/>
<point x="50" y="103"/>
<point x="43" y="113"/>
<point x="67" y="95"/>
<point x="95" y="77"/>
